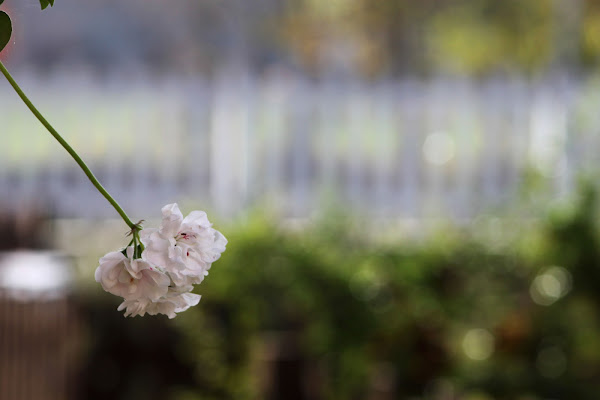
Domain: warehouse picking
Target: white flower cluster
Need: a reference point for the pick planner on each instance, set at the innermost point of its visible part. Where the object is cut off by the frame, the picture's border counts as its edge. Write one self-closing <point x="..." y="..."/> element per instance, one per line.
<point x="175" y="257"/>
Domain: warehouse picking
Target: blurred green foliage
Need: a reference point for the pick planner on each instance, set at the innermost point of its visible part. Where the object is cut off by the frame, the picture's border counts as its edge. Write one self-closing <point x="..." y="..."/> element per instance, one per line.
<point x="493" y="311"/>
<point x="379" y="38"/>
<point x="472" y="37"/>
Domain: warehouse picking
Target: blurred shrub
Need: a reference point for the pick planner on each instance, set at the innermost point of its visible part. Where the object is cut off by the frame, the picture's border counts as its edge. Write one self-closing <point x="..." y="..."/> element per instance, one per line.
<point x="473" y="38"/>
<point x="324" y="313"/>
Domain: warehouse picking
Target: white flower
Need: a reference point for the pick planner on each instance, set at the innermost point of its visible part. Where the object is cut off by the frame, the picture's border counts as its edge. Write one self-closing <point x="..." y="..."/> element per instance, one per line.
<point x="185" y="248"/>
<point x="176" y="256"/>
<point x="177" y="299"/>
<point x="130" y="278"/>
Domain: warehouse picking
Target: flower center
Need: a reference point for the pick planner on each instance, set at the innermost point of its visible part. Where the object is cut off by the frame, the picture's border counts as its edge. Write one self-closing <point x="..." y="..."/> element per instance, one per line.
<point x="185" y="236"/>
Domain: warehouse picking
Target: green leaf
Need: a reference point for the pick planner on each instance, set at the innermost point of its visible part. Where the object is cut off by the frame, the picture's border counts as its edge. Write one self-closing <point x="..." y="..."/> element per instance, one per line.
<point x="45" y="3"/>
<point x="1" y="1"/>
<point x="5" y="29"/>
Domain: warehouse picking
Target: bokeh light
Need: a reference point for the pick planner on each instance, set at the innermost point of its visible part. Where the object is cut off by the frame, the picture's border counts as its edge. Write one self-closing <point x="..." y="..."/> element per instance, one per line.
<point x="478" y="344"/>
<point x="550" y="285"/>
<point x="438" y="148"/>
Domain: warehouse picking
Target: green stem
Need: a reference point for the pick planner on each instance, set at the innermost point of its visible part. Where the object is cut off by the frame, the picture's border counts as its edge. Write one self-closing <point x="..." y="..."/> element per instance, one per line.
<point x="137" y="234"/>
<point x="135" y="246"/>
<point x="68" y="148"/>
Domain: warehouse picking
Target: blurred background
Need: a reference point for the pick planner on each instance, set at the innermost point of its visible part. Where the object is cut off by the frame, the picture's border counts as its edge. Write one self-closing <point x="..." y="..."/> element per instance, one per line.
<point x="409" y="190"/>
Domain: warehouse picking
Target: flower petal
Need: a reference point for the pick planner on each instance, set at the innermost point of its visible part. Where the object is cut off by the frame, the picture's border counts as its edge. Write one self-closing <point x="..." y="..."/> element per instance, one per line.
<point x="171" y="221"/>
<point x="197" y="218"/>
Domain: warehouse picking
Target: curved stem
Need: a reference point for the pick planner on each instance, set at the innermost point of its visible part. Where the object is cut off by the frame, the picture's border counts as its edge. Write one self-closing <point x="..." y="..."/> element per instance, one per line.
<point x="68" y="148"/>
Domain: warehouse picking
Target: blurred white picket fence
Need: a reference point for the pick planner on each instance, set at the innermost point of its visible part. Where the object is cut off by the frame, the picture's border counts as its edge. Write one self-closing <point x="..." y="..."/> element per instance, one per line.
<point x="406" y="148"/>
